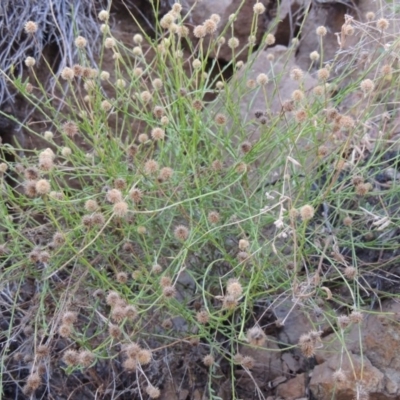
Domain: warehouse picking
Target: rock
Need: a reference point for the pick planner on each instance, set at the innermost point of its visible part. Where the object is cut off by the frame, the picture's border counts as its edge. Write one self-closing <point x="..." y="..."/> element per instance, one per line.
<point x="361" y="377"/>
<point x="293" y="389"/>
<point x="224" y="8"/>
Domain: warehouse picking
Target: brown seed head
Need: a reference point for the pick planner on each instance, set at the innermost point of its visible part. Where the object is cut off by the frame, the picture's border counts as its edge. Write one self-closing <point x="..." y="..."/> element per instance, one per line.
<point x="350" y="272"/>
<point x="203" y="317"/>
<point x="229" y="302"/>
<point x="208" y="360"/>
<point x="130" y="364"/>
<point x="213" y="217"/>
<point x="247" y="362"/>
<point x="153" y="392"/>
<point x="151" y="167"/>
<point x="181" y="232"/>
<point x="256" y="336"/>
<point x="234" y="288"/>
<point x="169" y="292"/>
<point x="114" y="331"/>
<point x="71" y="357"/>
<point x="114" y="196"/>
<point x="343" y="321"/>
<point x="86" y="358"/>
<point x="220" y="119"/>
<point x="307" y="212"/>
<point x="33" y="382"/>
<point x="144" y="356"/>
<point x="113" y="298"/>
<point x="165" y="174"/>
<point x="30" y="27"/>
<point x="42" y="351"/>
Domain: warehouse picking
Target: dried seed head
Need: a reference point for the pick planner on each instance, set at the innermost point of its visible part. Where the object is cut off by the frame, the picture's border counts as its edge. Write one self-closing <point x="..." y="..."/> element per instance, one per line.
<point x="297" y="95"/>
<point x="350" y="272"/>
<point x="130" y="364"/>
<point x="80" y="42"/>
<point x="70" y="128"/>
<point x="300" y="116"/>
<point x="69" y="318"/>
<point x="233" y="42"/>
<point x="296" y="74"/>
<point x="65" y="331"/>
<point x="210" y="26"/>
<point x="136" y="195"/>
<point x="98" y="219"/>
<point x="203" y="317"/>
<point x="339" y="376"/>
<point x="131" y="312"/>
<point x="348" y="30"/>
<point x="86" y="358"/>
<point x="30" y="27"/>
<point x="213" y="217"/>
<point x="91" y="205"/>
<point x="234" y="288"/>
<point x="121" y="209"/>
<point x="151" y="167"/>
<point x="256" y="336"/>
<point x="33" y="382"/>
<point x="113" y="298"/>
<point x="158" y="134"/>
<point x="347" y="221"/>
<point x="363" y="188"/>
<point x="144" y="356"/>
<point x="220" y="119"/>
<point x="153" y="392"/>
<point x="109" y="43"/>
<point x="247" y="362"/>
<point x="169" y="292"/>
<point x="321" y="31"/>
<point x="216" y="165"/>
<point x="343" y="321"/>
<point x="42" y="351"/>
<point x="199" y="31"/>
<point x="132" y="350"/>
<point x="156" y="269"/>
<point x="208" y="360"/>
<point x="382" y="24"/>
<point x="44" y="257"/>
<point x="118" y="314"/>
<point x="323" y="74"/>
<point x="71" y="357"/>
<point x="121" y="277"/>
<point x="31" y="173"/>
<point x="42" y="186"/>
<point x="251" y="83"/>
<point x="165" y="281"/>
<point x="143" y="138"/>
<point x="114" y="331"/>
<point x="165" y="174"/>
<point x="67" y="74"/>
<point x="356" y="317"/>
<point x="103" y="15"/>
<point x="270" y="39"/>
<point x="314" y="56"/>
<point x="307" y="212"/>
<point x="114" y="196"/>
<point x="30" y="62"/>
<point x="307" y="345"/>
<point x="262" y="79"/>
<point x="367" y="86"/>
<point x="370" y="16"/>
<point x="181" y="232"/>
<point x="229" y="302"/>
<point x="258" y="8"/>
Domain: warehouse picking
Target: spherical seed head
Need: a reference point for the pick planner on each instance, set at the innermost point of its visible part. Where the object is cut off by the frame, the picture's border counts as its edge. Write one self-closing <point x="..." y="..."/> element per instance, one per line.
<point x="307" y="345"/>
<point x="31" y="173"/>
<point x="71" y="357"/>
<point x="382" y="24"/>
<point x="297" y="95"/>
<point x="121" y="209"/>
<point x="132" y="350"/>
<point x="153" y="392"/>
<point x="30" y="62"/>
<point x="165" y="174"/>
<point x="363" y="188"/>
<point x="370" y="16"/>
<point x="86" y="358"/>
<point x="42" y="186"/>
<point x="158" y="134"/>
<point x="34" y="255"/>
<point x="114" y="331"/>
<point x="323" y="74"/>
<point x="181" y="232"/>
<point x="69" y="318"/>
<point x="356" y="317"/>
<point x="229" y="302"/>
<point x="109" y="43"/>
<point x="208" y="360"/>
<point x="144" y="356"/>
<point x="296" y="74"/>
<point x="113" y="298"/>
<point x="91" y="205"/>
<point x="118" y="314"/>
<point x="45" y="163"/>
<point x="137" y="38"/>
<point x="136" y="195"/>
<point x="114" y="196"/>
<point x="262" y="79"/>
<point x="213" y="217"/>
<point x="80" y="42"/>
<point x="203" y="317"/>
<point x="157" y="84"/>
<point x="197" y="105"/>
<point x="234" y="288"/>
<point x="143" y="138"/>
<point x="247" y="362"/>
<point x="258" y="8"/>
<point x="169" y="292"/>
<point x="347" y="221"/>
<point x="30" y="27"/>
<point x="217" y="165"/>
<point x="323" y="151"/>
<point x="103" y="15"/>
<point x="131" y="312"/>
<point x="233" y="42"/>
<point x="130" y="364"/>
<point x="314" y="56"/>
<point x="98" y="219"/>
<point x="158" y="111"/>
<point x="256" y="336"/>
<point x="65" y="331"/>
<point x="350" y="272"/>
<point x="70" y="128"/>
<point x="367" y="85"/>
<point x="210" y="26"/>
<point x="307" y="212"/>
<point x="199" y="31"/>
<point x="106" y="105"/>
<point x="339" y="376"/>
<point x="321" y="31"/>
<point x="42" y="351"/>
<point x="48" y="135"/>
<point x="343" y="321"/>
<point x="44" y="257"/>
<point x="165" y="281"/>
<point x="67" y="74"/>
<point x="66" y="152"/>
<point x="156" y="269"/>
<point x="87" y="221"/>
<point x="151" y="167"/>
<point x="220" y="119"/>
<point x="33" y="382"/>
